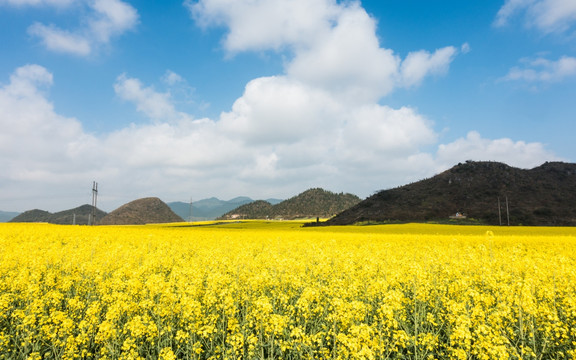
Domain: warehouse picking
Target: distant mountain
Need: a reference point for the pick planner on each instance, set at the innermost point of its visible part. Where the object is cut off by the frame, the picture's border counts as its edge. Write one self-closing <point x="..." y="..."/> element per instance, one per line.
<point x="207" y="209"/>
<point x="79" y="216"/>
<point x="309" y="204"/>
<point x="142" y="211"/>
<point x="6" y="216"/>
<point x="545" y="195"/>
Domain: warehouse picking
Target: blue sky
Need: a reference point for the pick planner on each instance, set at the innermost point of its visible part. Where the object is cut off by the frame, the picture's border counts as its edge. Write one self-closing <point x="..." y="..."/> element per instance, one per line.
<point x="268" y="98"/>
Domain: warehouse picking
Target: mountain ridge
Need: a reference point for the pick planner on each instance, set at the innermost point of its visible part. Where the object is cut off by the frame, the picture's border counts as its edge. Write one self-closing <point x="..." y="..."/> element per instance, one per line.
<point x="315" y="202"/>
<point x="149" y="210"/>
<point x="81" y="215"/>
<point x="544" y="195"/>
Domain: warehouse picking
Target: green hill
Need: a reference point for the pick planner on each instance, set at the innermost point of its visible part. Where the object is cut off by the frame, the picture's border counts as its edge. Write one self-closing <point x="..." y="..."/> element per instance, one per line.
<point x="79" y="216"/>
<point x="311" y="203"/>
<point x="150" y="210"/>
<point x="545" y="195"/>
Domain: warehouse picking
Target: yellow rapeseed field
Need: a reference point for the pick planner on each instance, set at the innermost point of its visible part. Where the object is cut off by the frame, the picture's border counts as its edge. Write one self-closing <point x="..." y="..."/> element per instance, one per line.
<point x="261" y="290"/>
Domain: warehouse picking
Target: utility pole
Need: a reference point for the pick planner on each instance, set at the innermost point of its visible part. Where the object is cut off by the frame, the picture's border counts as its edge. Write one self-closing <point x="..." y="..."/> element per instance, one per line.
<point x="92" y="218"/>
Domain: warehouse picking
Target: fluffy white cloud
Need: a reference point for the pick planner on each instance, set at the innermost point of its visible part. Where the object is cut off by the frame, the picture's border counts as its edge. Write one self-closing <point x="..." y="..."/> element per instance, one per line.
<point x="474" y="147"/>
<point x="105" y="19"/>
<point x="61" y="40"/>
<point x="348" y="60"/>
<point x="278" y="110"/>
<point x="266" y="24"/>
<point x="543" y="70"/>
<point x="37" y="144"/>
<point x="421" y="63"/>
<point x="280" y="137"/>
<point x="111" y="17"/>
<point x="546" y="15"/>
<point x="334" y="46"/>
<point x="155" y="105"/>
<point x="42" y="152"/>
<point x="171" y="78"/>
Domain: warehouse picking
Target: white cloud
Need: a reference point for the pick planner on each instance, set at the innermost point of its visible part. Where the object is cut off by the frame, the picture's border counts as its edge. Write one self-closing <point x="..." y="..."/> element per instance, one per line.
<point x="391" y="132"/>
<point x="36" y="142"/>
<point x="509" y="8"/>
<point x="155" y="105"/>
<point x="42" y="152"/>
<point x="546" y="15"/>
<point x="474" y="147"/>
<point x="266" y="24"/>
<point x="541" y="70"/>
<point x="171" y="78"/>
<point x="318" y="141"/>
<point x="334" y="46"/>
<point x="105" y="19"/>
<point x="61" y="40"/>
<point x="111" y="17"/>
<point x="278" y="110"/>
<point x="348" y="60"/>
<point x="421" y="63"/>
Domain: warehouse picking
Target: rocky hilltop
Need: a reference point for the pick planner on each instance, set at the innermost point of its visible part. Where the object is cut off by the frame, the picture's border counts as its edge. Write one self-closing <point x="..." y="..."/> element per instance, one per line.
<point x="545" y="195"/>
<point x="309" y="204"/>
<point x="142" y="211"/>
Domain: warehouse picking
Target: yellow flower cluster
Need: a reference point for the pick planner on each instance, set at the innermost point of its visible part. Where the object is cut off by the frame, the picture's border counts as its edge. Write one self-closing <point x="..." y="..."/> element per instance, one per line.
<point x="278" y="291"/>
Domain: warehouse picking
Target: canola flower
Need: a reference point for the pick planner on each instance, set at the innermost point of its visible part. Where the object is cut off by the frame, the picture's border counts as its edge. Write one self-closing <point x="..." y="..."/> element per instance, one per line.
<point x="277" y="291"/>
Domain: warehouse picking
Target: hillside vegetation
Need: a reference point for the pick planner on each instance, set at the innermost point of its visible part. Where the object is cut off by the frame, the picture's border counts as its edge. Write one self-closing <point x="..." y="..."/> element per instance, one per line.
<point x="309" y="204"/>
<point x="79" y="216"/>
<point x="142" y="211"/>
<point x="545" y="195"/>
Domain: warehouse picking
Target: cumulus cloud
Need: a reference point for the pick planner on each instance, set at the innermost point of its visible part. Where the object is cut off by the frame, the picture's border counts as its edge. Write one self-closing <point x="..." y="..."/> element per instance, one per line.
<point x="266" y="24"/>
<point x="348" y="60"/>
<point x="420" y="63"/>
<point x="40" y="148"/>
<point x="36" y="142"/>
<point x="106" y="18"/>
<point x="547" y="16"/>
<point x="475" y="147"/>
<point x="333" y="46"/>
<point x="171" y="78"/>
<point x="318" y="142"/>
<point x="61" y="40"/>
<point x="541" y="70"/>
<point x="155" y="105"/>
<point x="279" y="110"/>
<point x="111" y="17"/>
